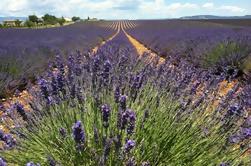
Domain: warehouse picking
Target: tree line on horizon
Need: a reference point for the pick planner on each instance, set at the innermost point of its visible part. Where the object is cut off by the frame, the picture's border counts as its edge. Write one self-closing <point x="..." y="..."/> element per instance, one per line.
<point x="45" y="20"/>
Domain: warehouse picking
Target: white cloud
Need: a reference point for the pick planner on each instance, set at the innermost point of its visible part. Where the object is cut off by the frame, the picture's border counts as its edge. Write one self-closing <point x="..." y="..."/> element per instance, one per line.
<point x="14" y="6"/>
<point x="235" y="9"/>
<point x="208" y="5"/>
<point x="232" y="9"/>
<point x="180" y="6"/>
<point x="113" y="8"/>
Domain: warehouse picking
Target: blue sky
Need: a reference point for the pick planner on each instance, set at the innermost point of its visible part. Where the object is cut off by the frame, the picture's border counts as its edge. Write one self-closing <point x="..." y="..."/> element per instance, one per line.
<point x="125" y="9"/>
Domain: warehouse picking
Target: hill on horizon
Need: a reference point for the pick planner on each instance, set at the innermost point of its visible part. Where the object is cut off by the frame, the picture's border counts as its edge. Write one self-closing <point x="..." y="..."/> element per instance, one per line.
<point x="216" y="17"/>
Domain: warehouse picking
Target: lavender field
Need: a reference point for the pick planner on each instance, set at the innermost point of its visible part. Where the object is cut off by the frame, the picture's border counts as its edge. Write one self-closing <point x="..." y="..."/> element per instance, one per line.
<point x="24" y="53"/>
<point x="126" y="92"/>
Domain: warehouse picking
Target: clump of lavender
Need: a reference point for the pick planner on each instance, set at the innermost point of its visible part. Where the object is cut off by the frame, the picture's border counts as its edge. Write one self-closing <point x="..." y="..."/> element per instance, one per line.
<point x="8" y="139"/>
<point x="78" y="132"/>
<point x="127" y="119"/>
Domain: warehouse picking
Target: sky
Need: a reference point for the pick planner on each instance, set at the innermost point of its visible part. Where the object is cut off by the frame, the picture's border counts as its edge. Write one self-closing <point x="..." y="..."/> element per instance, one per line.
<point x="125" y="9"/>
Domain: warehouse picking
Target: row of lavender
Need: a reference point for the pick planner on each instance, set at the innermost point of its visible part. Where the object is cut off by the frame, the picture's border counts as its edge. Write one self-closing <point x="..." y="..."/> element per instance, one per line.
<point x="112" y="108"/>
<point x="24" y="53"/>
<point x="223" y="86"/>
<point x="221" y="48"/>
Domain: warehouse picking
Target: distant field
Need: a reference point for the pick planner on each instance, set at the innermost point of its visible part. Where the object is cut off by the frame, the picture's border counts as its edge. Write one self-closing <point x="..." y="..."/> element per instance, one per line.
<point x="236" y="22"/>
<point x="211" y="44"/>
<point x="24" y="53"/>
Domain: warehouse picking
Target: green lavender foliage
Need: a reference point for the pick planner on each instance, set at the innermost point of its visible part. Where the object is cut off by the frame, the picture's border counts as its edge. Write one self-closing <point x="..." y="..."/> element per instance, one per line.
<point x="164" y="135"/>
<point x="228" y="53"/>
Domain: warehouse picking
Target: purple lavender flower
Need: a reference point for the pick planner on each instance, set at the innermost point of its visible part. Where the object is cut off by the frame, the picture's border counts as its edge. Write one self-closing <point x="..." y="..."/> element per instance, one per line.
<point x="61" y="82"/>
<point x="60" y="64"/>
<point x="234" y="139"/>
<point x="130" y="144"/>
<point x="21" y="111"/>
<point x="234" y="110"/>
<point x="54" y="85"/>
<point x="1" y="134"/>
<point x="122" y="102"/>
<point x="51" y="161"/>
<point x="247" y="122"/>
<point x="131" y="119"/>
<point x="106" y="71"/>
<point x="124" y="120"/>
<point x="224" y="164"/>
<point x="2" y="162"/>
<point x="32" y="164"/>
<point x="119" y="119"/>
<point x="96" y="62"/>
<point x="107" y="148"/>
<point x="9" y="140"/>
<point x="107" y="66"/>
<point x="78" y="132"/>
<point x="44" y="88"/>
<point x="246" y="132"/>
<point x="131" y="162"/>
<point x="96" y="135"/>
<point x="73" y="91"/>
<point x="117" y="94"/>
<point x="105" y="109"/>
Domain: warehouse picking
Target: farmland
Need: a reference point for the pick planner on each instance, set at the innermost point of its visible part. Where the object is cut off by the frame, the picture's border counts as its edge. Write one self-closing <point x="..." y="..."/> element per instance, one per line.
<point x="146" y="92"/>
<point x="26" y="52"/>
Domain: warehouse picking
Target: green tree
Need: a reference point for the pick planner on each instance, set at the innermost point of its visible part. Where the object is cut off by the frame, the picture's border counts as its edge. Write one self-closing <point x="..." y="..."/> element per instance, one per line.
<point x="50" y="19"/>
<point x="18" y="22"/>
<point x="61" y="21"/>
<point x="33" y="18"/>
<point x="74" y="18"/>
<point x="29" y="23"/>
